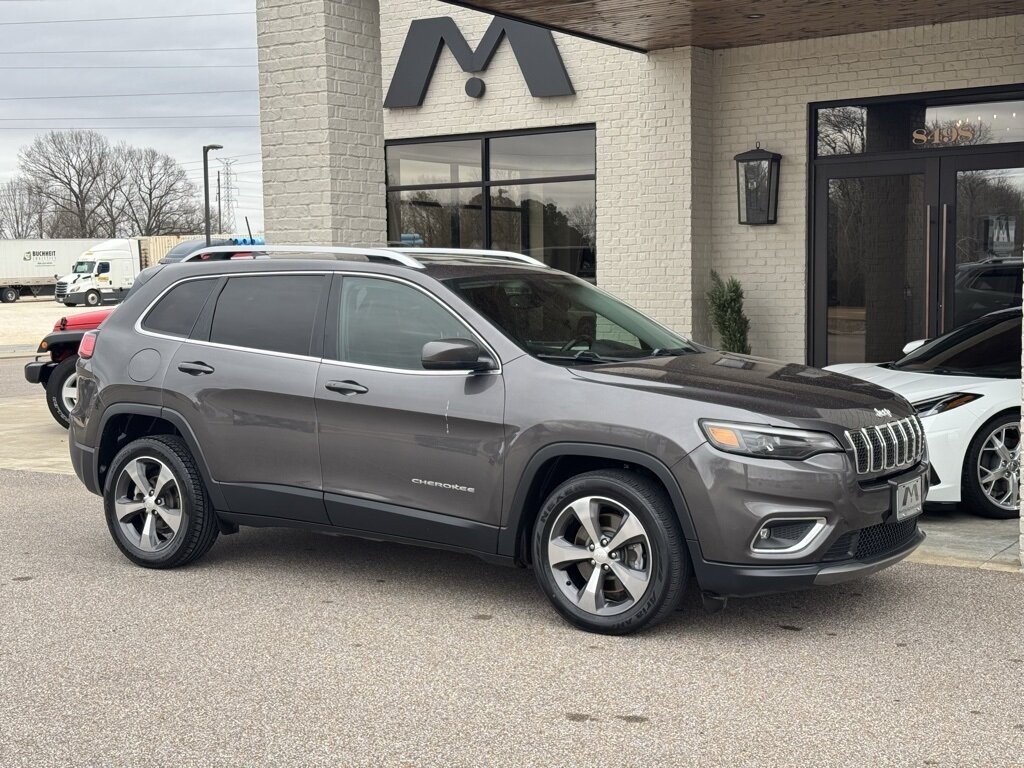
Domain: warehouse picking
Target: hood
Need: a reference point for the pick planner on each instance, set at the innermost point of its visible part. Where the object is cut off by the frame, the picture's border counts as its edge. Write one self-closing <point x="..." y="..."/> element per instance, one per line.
<point x="83" y="321"/>
<point x="915" y="386"/>
<point x="769" y="388"/>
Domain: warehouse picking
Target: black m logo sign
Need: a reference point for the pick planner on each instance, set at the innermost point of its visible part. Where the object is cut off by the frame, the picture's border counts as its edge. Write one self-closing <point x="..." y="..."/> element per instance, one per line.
<point x="534" y="49"/>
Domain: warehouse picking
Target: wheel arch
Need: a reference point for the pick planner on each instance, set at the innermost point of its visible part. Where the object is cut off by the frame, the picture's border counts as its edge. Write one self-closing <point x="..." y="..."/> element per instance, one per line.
<point x="553" y="464"/>
<point x="124" y="422"/>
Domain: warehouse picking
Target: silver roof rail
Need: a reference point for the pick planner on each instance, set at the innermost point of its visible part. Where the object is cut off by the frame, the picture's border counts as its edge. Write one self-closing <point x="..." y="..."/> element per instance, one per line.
<point x="508" y="255"/>
<point x="382" y="253"/>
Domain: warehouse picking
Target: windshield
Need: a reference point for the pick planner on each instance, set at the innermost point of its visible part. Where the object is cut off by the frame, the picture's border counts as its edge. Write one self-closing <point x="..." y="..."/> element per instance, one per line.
<point x="84" y="267"/>
<point x="989" y="347"/>
<point x="562" y="319"/>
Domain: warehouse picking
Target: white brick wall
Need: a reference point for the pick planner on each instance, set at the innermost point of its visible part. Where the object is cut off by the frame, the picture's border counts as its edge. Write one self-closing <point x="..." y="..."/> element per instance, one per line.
<point x="761" y="93"/>
<point x="668" y="125"/>
<point x="321" y="117"/>
<point x="640" y="106"/>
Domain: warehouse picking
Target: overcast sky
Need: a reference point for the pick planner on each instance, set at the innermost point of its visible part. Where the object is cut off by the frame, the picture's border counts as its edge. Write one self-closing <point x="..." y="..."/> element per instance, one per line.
<point x="176" y="124"/>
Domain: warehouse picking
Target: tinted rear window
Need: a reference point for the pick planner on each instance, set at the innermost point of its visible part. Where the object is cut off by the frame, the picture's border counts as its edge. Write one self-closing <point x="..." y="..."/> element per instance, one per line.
<point x="274" y="313"/>
<point x="176" y="313"/>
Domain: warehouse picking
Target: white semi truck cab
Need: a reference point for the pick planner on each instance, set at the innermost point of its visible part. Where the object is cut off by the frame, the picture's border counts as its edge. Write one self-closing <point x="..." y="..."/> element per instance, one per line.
<point x="103" y="273"/>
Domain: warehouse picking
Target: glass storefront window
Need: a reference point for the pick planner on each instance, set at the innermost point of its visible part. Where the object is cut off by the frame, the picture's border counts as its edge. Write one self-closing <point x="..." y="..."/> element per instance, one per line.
<point x="905" y="125"/>
<point x="556" y="223"/>
<point x="441" y="196"/>
<point x="436" y="218"/>
<point x="443" y="162"/>
<point x="571" y="153"/>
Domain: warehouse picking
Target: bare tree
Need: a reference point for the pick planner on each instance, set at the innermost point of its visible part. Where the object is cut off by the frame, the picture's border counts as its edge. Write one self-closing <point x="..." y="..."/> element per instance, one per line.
<point x="75" y="172"/>
<point x="22" y="211"/>
<point x="158" y="197"/>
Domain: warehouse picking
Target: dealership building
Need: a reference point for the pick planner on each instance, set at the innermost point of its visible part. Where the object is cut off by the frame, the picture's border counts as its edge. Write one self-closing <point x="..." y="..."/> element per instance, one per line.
<point x="887" y="174"/>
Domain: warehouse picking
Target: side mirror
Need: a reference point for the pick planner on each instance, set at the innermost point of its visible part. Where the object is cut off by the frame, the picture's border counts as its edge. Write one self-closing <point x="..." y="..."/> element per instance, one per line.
<point x="910" y="347"/>
<point x="455" y="355"/>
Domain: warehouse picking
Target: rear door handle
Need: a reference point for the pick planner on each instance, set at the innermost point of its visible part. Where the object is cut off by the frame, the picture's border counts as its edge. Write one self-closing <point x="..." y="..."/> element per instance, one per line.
<point x="347" y="387"/>
<point x="195" y="369"/>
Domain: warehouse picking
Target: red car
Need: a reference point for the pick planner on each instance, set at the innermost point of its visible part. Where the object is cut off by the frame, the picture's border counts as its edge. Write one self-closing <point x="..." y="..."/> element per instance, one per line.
<point x="57" y="374"/>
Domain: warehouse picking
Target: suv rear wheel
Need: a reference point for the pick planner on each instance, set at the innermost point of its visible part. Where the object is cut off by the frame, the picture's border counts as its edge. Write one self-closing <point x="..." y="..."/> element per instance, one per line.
<point x="156" y="505"/>
<point x="608" y="552"/>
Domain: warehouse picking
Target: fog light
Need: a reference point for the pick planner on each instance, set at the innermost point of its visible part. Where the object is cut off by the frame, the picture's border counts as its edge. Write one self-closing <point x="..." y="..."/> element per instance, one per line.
<point x="786" y="536"/>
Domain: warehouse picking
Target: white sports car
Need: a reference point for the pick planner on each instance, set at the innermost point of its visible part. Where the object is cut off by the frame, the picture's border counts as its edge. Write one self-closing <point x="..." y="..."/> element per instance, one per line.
<point x="966" y="386"/>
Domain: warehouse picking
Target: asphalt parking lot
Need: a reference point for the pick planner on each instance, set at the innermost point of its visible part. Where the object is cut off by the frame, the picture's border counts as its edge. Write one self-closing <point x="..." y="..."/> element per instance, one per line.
<point x="284" y="647"/>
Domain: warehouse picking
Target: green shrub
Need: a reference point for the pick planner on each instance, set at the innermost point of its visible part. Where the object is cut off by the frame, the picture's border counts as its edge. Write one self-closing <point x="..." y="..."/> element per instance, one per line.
<point x="726" y="301"/>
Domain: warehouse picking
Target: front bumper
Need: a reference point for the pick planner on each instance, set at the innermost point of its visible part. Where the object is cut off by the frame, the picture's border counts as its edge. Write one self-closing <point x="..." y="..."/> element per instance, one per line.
<point x="38" y="372"/>
<point x="730" y="498"/>
<point x="727" y="580"/>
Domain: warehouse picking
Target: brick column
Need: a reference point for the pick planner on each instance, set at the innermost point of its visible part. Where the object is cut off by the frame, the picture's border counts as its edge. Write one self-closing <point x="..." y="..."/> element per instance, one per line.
<point x="321" y="118"/>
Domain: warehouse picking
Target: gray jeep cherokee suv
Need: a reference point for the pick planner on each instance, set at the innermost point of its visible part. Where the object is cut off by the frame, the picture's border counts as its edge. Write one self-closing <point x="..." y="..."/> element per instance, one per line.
<point x="482" y="402"/>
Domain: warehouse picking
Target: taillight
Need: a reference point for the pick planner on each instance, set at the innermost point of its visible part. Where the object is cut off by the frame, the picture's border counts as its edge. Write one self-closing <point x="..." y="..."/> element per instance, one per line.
<point x="88" y="345"/>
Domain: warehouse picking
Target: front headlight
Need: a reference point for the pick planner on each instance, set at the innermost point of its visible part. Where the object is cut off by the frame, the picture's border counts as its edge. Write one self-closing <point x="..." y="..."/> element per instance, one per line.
<point x="768" y="442"/>
<point x="945" y="403"/>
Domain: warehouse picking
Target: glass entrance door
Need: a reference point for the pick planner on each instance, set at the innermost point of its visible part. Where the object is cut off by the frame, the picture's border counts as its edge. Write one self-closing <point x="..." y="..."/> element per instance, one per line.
<point x="981" y="230"/>
<point x="873" y="275"/>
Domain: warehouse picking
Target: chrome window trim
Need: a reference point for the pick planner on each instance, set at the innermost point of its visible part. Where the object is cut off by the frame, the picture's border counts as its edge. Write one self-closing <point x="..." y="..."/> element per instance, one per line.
<point x="326" y="273"/>
<point x="819" y="525"/>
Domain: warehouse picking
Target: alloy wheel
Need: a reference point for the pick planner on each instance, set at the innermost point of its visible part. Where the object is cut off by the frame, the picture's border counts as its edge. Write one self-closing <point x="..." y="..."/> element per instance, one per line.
<point x="999" y="466"/>
<point x="148" y="504"/>
<point x="69" y="392"/>
<point x="600" y="556"/>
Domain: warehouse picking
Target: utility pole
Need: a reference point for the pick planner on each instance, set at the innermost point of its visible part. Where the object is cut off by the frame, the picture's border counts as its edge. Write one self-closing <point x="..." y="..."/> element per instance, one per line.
<point x="206" y="185"/>
<point x="220" y="217"/>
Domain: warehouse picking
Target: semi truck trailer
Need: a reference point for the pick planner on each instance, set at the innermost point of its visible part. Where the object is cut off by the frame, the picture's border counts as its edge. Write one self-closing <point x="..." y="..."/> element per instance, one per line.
<point x="32" y="267"/>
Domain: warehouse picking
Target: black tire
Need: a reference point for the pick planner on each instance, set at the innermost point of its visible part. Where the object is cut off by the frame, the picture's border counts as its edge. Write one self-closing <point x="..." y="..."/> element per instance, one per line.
<point x="198" y="527"/>
<point x="93" y="299"/>
<point x="9" y="295"/>
<point x="668" y="567"/>
<point x="974" y="498"/>
<point x="55" y="390"/>
<point x="70" y="303"/>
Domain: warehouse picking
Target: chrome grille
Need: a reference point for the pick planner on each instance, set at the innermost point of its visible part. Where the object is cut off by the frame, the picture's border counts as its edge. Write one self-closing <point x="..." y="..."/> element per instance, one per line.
<point x="887" y="446"/>
<point x="61" y="289"/>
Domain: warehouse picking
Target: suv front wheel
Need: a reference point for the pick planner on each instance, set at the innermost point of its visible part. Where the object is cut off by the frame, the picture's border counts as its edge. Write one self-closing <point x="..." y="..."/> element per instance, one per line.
<point x="608" y="552"/>
<point x="156" y="505"/>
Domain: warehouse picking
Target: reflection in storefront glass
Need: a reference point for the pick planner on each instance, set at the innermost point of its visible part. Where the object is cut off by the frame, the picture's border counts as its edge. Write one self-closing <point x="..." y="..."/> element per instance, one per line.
<point x="899" y="126"/>
<point x="436" y="218"/>
<point x="556" y="223"/>
<point x="989" y="242"/>
<point x="876" y="284"/>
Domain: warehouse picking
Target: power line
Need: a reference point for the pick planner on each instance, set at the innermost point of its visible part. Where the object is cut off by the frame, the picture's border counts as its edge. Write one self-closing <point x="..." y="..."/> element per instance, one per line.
<point x="229" y="157"/>
<point x="123" y="95"/>
<point x="125" y="18"/>
<point x="205" y="49"/>
<point x="137" y="66"/>
<point x="124" y="127"/>
<point x="128" y="117"/>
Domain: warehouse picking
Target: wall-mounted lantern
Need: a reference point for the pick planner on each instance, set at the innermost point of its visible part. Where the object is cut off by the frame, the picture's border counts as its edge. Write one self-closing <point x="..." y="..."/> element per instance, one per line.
<point x="757" y="186"/>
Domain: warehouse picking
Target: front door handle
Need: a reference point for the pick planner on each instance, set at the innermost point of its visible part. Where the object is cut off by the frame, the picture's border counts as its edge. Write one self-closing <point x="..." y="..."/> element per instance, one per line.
<point x="347" y="387"/>
<point x="195" y="369"/>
